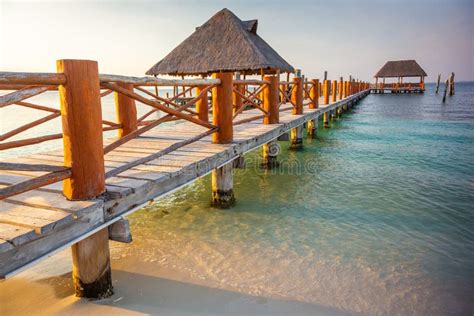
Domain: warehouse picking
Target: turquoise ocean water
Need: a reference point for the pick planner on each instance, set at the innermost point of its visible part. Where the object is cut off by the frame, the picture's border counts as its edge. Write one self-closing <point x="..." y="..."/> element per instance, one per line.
<point x="374" y="216"/>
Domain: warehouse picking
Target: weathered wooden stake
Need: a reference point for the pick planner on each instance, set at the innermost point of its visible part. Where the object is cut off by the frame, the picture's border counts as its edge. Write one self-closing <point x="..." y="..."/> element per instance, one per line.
<point x="437" y="83"/>
<point x="446" y="87"/>
<point x="334" y="91"/>
<point x="222" y="177"/>
<point x="91" y="271"/>
<point x="451" y="84"/>
<point x="126" y="111"/>
<point x="223" y="186"/>
<point x="270" y="153"/>
<point x="325" y="120"/>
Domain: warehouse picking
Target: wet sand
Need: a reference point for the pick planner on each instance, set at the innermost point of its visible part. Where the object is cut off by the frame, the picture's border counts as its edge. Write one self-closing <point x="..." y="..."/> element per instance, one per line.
<point x="140" y="289"/>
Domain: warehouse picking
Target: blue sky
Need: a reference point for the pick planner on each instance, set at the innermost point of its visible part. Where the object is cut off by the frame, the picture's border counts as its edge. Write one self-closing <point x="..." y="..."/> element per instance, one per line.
<point x="342" y="37"/>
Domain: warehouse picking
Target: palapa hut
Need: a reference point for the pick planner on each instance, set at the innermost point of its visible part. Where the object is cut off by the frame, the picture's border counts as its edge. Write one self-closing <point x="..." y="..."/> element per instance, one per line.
<point x="223" y="44"/>
<point x="401" y="69"/>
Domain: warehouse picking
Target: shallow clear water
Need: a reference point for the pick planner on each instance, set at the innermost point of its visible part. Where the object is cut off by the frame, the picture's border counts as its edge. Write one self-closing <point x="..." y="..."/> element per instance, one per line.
<point x="375" y="216"/>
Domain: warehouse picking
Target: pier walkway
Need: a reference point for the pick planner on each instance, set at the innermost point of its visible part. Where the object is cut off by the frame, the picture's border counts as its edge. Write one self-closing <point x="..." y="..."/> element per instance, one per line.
<point x="39" y="214"/>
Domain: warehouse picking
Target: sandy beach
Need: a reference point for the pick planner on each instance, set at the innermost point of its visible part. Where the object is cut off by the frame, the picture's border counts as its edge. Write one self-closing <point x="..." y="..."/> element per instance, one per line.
<point x="140" y="289"/>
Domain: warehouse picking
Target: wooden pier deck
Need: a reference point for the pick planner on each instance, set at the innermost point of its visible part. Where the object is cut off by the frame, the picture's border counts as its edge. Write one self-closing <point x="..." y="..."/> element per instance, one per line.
<point x="40" y="215"/>
<point x="37" y="223"/>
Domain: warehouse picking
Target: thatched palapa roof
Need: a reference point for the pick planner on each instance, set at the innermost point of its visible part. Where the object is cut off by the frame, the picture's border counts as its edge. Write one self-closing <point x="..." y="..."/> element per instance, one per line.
<point x="223" y="43"/>
<point x="401" y="68"/>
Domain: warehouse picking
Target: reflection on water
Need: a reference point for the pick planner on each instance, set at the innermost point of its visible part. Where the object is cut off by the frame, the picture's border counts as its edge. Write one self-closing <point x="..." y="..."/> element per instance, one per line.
<point x="383" y="226"/>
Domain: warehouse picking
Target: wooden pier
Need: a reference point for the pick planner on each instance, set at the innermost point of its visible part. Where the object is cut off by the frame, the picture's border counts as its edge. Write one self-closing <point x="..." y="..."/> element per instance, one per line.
<point x="79" y="195"/>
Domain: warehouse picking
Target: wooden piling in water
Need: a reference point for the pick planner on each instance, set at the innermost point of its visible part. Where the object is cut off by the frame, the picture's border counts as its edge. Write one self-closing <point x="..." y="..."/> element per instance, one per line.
<point x="451" y="84"/>
<point x="83" y="153"/>
<point x="437" y="83"/>
<point x="446" y="87"/>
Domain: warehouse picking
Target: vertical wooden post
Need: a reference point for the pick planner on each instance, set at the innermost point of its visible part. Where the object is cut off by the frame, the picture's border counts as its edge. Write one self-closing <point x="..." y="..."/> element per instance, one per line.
<point x="334" y="90"/>
<point x="326" y="92"/>
<point x="451" y="84"/>
<point x="445" y="90"/>
<point x="437" y="83"/>
<point x="202" y="105"/>
<point x="237" y="100"/>
<point x="270" y="101"/>
<point x="82" y="129"/>
<point x="312" y="126"/>
<point x="91" y="271"/>
<point x="271" y="149"/>
<point x="344" y="90"/>
<point x="341" y="83"/>
<point x="83" y="152"/>
<point x="325" y="120"/>
<point x="222" y="108"/>
<point x="222" y="177"/>
<point x="126" y="111"/>
<point x="296" y="134"/>
<point x="314" y="94"/>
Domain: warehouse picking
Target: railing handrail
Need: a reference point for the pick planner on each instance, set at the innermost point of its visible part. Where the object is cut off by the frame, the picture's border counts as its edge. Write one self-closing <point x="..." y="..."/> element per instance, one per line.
<point x="152" y="81"/>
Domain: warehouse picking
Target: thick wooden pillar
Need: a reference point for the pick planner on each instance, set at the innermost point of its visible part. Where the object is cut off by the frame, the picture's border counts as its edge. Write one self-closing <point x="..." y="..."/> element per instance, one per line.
<point x="270" y="152"/>
<point x="222" y="108"/>
<point x="270" y="101"/>
<point x="222" y="177"/>
<point x="91" y="271"/>
<point x="341" y="84"/>
<point x="334" y="91"/>
<point x="202" y="105"/>
<point x="296" y="134"/>
<point x="325" y="119"/>
<point x="125" y="110"/>
<point x="312" y="128"/>
<point x="83" y="152"/>
<point x="326" y="92"/>
<point x="314" y="94"/>
<point x="82" y="129"/>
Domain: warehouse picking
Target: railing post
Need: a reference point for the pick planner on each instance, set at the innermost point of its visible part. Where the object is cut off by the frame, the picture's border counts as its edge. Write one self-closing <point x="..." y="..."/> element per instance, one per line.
<point x="341" y="83"/>
<point x="312" y="125"/>
<point x="271" y="149"/>
<point x="334" y="91"/>
<point x="223" y="177"/>
<point x="326" y="92"/>
<point x="237" y="99"/>
<point x="126" y="111"/>
<point x="202" y="105"/>
<point x="296" y="134"/>
<point x="314" y="94"/>
<point x="83" y="153"/>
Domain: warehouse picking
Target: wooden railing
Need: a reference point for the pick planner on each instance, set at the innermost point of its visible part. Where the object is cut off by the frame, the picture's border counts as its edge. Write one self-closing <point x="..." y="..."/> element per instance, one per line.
<point x="81" y="88"/>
